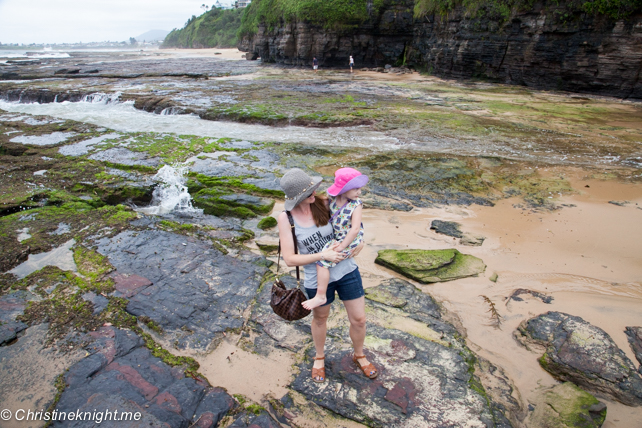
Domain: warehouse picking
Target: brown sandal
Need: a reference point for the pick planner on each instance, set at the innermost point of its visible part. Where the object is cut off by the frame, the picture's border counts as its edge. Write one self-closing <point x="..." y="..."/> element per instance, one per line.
<point x="369" y="370"/>
<point x="318" y="375"/>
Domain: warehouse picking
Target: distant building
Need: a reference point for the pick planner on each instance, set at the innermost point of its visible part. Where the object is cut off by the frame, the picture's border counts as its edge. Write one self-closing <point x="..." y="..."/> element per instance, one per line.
<point x="240" y="4"/>
<point x="219" y="5"/>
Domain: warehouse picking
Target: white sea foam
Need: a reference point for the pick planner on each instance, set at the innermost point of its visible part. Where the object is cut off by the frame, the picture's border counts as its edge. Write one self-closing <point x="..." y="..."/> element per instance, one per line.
<point x="171" y="194"/>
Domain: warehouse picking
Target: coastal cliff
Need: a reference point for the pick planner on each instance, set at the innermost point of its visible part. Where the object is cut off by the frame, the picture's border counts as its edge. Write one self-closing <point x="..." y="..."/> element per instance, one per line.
<point x="213" y="29"/>
<point x="547" y="45"/>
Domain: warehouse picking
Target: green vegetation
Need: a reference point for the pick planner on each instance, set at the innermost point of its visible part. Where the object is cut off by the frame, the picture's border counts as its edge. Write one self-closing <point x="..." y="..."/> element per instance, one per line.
<point x="343" y="16"/>
<point x="428" y="266"/>
<point x="267" y="223"/>
<point x="339" y="15"/>
<point x="502" y="10"/>
<point x="248" y="405"/>
<point x="214" y="29"/>
<point x="170" y="148"/>
<point x="224" y="196"/>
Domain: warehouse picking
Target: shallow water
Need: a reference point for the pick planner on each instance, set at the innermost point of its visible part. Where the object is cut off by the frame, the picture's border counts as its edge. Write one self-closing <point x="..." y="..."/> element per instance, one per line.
<point x="62" y="257"/>
<point x="124" y="117"/>
<point x="103" y="110"/>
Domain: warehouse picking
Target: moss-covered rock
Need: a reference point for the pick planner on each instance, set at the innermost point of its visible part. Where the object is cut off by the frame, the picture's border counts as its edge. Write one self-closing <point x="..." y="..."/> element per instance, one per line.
<point x="428" y="266"/>
<point x="565" y="406"/>
<point x="267" y="223"/>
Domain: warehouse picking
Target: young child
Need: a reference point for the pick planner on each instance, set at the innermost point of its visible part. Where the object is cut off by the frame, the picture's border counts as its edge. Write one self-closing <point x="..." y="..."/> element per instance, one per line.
<point x="345" y="208"/>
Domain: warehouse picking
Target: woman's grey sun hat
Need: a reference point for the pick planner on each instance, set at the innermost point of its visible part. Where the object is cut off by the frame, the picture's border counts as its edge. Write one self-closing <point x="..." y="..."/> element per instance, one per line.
<point x="298" y="186"/>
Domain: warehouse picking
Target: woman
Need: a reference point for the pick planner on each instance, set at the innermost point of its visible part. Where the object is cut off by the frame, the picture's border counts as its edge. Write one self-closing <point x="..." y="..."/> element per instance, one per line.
<point x="310" y="214"/>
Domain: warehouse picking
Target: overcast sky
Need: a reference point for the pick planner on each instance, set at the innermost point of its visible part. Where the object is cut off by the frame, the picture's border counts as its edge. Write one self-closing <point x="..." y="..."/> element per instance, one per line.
<point x="72" y="21"/>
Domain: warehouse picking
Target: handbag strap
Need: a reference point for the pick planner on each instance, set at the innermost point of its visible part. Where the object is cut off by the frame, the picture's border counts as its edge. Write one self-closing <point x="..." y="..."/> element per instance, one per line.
<point x="296" y="249"/>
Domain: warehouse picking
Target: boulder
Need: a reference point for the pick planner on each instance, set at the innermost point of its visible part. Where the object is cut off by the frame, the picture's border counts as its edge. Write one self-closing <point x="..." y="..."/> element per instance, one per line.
<point x="450" y="228"/>
<point x="634" y="335"/>
<point x="428" y="266"/>
<point x="579" y="352"/>
<point x="567" y="406"/>
<point x="472" y="240"/>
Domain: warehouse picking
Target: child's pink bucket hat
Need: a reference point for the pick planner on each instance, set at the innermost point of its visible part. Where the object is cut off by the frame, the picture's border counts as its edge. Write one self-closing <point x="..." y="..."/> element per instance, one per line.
<point x="346" y="179"/>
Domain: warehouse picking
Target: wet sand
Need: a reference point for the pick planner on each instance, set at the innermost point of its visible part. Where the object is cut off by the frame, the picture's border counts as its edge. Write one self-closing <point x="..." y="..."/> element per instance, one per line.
<point x="588" y="257"/>
<point x="231" y="53"/>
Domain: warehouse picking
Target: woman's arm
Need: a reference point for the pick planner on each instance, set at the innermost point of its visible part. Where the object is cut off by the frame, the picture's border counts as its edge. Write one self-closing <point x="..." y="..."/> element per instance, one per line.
<point x="354" y="229"/>
<point x="287" y="247"/>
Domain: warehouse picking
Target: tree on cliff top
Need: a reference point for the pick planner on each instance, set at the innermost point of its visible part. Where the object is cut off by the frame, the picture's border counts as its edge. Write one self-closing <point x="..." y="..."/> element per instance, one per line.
<point x="214" y="29"/>
<point x="333" y="14"/>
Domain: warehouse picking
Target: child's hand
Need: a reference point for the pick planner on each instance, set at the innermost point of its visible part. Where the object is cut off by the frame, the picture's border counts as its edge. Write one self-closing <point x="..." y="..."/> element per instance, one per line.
<point x="332" y="256"/>
<point x="358" y="249"/>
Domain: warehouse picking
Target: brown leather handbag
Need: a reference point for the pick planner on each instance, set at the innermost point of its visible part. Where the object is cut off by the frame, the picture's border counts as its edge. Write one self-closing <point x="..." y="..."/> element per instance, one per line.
<point x="287" y="303"/>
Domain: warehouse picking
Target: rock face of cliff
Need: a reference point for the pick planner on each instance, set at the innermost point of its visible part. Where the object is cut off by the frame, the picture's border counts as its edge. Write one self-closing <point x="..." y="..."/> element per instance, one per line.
<point x="539" y="48"/>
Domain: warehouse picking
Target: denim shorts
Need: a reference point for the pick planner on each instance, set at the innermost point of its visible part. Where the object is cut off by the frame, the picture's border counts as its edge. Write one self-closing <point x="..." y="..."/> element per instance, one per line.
<point x="349" y="287"/>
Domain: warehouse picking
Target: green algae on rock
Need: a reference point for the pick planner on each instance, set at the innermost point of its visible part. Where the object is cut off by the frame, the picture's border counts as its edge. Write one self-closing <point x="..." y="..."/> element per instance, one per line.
<point x="267" y="223"/>
<point x="567" y="406"/>
<point x="428" y="266"/>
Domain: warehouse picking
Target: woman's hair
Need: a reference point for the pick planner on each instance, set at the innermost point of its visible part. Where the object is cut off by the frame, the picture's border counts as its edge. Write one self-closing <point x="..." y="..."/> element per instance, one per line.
<point x="320" y="211"/>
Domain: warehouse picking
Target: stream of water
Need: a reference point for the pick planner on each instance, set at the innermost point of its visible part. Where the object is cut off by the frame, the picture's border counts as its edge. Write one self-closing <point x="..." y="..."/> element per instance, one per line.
<point x="124" y="117"/>
<point x="105" y="110"/>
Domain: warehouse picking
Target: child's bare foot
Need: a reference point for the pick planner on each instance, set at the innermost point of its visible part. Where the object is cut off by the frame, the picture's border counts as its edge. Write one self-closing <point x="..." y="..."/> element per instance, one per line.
<point x="315" y="302"/>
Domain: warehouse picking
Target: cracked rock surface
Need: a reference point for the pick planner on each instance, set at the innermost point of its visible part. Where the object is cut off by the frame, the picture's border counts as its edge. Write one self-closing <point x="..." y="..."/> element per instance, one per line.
<point x="197" y="292"/>
<point x="579" y="352"/>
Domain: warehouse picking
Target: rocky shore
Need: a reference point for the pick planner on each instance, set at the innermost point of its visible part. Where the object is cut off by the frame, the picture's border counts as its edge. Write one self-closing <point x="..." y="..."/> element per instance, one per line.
<point x="120" y="302"/>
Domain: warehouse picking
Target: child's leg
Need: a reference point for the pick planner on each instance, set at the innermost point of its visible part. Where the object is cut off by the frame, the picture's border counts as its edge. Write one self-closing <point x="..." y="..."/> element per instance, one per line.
<point x="323" y="277"/>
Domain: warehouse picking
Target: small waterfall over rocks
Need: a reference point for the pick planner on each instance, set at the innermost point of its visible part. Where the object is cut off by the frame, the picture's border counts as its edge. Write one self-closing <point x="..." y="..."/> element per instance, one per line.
<point x="170" y="111"/>
<point x="171" y="194"/>
<point x="101" y="98"/>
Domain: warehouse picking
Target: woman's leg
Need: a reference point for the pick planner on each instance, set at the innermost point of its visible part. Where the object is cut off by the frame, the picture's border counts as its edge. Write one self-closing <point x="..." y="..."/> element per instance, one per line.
<point x="319" y="329"/>
<point x="356" y="309"/>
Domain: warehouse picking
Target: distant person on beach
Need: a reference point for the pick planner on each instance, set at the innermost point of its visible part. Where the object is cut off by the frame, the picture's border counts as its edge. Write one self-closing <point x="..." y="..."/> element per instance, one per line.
<point x="309" y="214"/>
<point x="346" y="208"/>
<point x="315" y="64"/>
<point x="351" y="63"/>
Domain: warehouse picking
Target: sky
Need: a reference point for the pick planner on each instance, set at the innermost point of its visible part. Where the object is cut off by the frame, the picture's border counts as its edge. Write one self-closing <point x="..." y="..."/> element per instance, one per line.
<point x="73" y="21"/>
